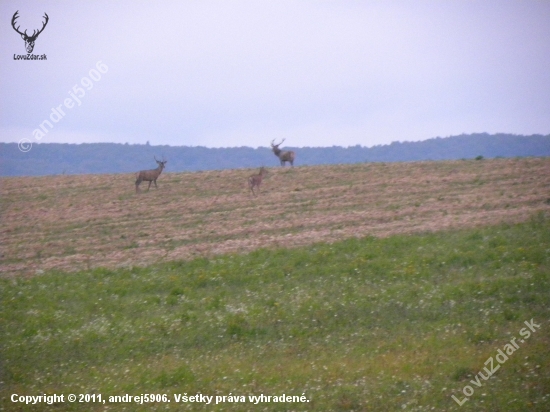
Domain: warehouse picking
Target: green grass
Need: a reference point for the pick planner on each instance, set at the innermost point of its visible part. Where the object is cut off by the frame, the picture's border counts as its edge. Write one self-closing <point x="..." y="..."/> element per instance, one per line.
<point x="400" y="323"/>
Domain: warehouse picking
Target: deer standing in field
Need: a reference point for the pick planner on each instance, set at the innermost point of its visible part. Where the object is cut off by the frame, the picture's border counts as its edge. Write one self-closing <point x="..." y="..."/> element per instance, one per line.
<point x="284" y="156"/>
<point x="150" y="176"/>
<point x="256" y="180"/>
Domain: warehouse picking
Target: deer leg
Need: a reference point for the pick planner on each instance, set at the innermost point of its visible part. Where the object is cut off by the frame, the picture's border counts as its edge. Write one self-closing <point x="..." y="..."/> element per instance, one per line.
<point x="155" y="181"/>
<point x="149" y="187"/>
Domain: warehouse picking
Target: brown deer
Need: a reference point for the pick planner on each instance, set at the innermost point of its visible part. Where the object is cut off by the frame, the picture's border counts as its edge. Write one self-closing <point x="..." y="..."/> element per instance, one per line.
<point x="150" y="176"/>
<point x="29" y="40"/>
<point x="256" y="180"/>
<point x="284" y="156"/>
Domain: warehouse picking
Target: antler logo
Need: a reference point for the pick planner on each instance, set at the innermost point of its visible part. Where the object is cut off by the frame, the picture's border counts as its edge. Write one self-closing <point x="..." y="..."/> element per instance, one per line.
<point x="29" y="40"/>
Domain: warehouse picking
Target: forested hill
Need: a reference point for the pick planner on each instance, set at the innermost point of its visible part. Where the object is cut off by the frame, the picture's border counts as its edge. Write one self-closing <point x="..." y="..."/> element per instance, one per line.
<point x="54" y="158"/>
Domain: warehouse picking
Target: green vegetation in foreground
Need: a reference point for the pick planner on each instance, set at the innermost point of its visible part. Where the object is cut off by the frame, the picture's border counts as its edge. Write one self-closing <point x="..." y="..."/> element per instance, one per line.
<point x="400" y="323"/>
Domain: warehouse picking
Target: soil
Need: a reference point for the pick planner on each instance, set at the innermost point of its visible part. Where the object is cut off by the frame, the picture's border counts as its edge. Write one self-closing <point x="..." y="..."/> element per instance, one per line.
<point x="79" y="222"/>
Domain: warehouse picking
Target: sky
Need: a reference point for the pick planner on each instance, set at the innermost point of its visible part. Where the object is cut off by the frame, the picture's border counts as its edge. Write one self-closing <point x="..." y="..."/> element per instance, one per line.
<point x="242" y="73"/>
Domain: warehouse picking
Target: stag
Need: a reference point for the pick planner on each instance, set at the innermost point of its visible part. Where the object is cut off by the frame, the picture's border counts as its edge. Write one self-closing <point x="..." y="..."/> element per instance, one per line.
<point x="283" y="155"/>
<point x="150" y="176"/>
<point x="29" y="40"/>
<point x="256" y="180"/>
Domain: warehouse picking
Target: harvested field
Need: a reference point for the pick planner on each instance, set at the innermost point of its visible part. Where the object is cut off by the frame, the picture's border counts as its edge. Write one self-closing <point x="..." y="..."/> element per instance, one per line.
<point x="85" y="221"/>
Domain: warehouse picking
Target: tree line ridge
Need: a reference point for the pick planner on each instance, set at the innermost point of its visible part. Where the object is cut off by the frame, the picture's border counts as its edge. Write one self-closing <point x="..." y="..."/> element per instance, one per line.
<point x="97" y="158"/>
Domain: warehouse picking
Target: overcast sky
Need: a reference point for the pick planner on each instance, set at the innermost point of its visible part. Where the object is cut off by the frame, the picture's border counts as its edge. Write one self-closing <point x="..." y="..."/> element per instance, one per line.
<point x="241" y="73"/>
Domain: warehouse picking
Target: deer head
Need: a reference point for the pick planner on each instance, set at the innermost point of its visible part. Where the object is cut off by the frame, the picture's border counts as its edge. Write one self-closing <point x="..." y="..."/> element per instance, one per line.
<point x="161" y="163"/>
<point x="29" y="40"/>
<point x="273" y="145"/>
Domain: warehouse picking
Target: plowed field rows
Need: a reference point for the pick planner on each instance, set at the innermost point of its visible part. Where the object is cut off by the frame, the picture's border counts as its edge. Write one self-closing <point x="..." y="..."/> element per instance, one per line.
<point x="78" y="222"/>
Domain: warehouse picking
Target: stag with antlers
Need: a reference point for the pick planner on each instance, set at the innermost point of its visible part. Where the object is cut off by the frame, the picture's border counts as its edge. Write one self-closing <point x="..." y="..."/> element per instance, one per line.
<point x="150" y="176"/>
<point x="283" y="155"/>
<point x="29" y="40"/>
<point x="256" y="180"/>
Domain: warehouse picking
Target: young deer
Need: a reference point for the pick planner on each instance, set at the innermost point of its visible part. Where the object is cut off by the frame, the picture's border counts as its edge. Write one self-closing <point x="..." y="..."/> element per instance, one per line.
<point x="150" y="176"/>
<point x="256" y="180"/>
<point x="284" y="156"/>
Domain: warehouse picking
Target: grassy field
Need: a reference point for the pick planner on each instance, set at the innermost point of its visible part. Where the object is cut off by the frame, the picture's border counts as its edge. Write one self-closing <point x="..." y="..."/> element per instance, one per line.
<point x="81" y="222"/>
<point x="400" y="323"/>
<point x="362" y="288"/>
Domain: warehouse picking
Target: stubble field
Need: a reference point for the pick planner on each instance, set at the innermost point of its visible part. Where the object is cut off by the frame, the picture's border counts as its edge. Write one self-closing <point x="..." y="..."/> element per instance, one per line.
<point x="81" y="222"/>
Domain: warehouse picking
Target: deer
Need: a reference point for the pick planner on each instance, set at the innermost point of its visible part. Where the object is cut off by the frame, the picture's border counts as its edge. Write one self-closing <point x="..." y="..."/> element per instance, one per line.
<point x="29" y="40"/>
<point x="284" y="156"/>
<point x="256" y="180"/>
<point x="150" y="176"/>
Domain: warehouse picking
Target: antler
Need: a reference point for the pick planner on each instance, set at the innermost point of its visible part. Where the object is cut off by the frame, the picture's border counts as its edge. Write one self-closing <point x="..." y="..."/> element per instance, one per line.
<point x="34" y="33"/>
<point x="15" y="17"/>
<point x="43" y="26"/>
<point x="276" y="145"/>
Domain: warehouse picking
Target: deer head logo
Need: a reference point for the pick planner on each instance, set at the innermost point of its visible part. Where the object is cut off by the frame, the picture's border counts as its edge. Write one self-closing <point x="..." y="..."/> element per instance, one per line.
<point x="29" y="40"/>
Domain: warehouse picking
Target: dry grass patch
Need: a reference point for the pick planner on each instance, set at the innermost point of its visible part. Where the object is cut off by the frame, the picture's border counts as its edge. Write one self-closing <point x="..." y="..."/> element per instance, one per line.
<point x="86" y="221"/>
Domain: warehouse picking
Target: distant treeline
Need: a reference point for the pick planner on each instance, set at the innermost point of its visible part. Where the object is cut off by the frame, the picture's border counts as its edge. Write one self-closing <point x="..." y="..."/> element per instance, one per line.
<point x="55" y="158"/>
